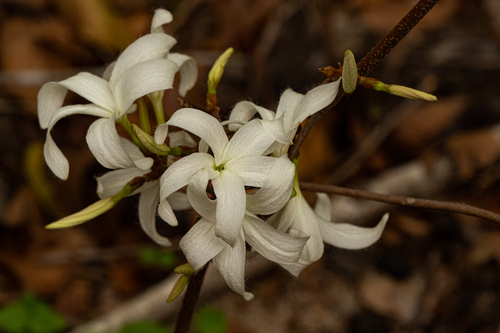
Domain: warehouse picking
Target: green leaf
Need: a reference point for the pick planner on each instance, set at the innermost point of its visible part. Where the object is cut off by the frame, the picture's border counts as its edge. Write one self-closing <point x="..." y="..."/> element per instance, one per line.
<point x="145" y="327"/>
<point x="152" y="257"/>
<point x="211" y="320"/>
<point x="30" y="315"/>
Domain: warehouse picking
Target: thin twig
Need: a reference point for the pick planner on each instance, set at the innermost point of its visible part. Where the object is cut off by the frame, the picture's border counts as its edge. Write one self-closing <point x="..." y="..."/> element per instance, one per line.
<point x="189" y="302"/>
<point x="369" y="61"/>
<point x="378" y="53"/>
<point x="454" y="207"/>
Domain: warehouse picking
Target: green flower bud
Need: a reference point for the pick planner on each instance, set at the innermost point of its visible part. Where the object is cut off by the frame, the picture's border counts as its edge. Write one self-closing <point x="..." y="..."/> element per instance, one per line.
<point x="178" y="288"/>
<point x="217" y="70"/>
<point x="149" y="142"/>
<point x="349" y="73"/>
<point x="404" y="91"/>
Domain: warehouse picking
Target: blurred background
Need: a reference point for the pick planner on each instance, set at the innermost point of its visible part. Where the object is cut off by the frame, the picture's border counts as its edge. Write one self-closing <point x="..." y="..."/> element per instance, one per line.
<point x="430" y="272"/>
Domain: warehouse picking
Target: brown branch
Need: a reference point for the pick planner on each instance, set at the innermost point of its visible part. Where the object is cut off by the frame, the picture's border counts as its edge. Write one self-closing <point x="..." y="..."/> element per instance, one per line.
<point x="370" y="60"/>
<point x="378" y="53"/>
<point x="454" y="207"/>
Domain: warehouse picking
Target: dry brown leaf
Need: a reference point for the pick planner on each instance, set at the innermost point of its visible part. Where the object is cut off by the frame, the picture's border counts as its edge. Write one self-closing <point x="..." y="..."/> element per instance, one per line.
<point x="421" y="127"/>
<point x="473" y="151"/>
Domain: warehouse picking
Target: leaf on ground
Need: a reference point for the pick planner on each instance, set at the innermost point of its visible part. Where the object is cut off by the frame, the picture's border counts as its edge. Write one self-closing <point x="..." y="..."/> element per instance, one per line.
<point x="30" y="315"/>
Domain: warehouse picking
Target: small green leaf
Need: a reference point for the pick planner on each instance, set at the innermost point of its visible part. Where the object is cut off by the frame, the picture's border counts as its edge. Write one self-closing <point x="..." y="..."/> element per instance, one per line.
<point x="211" y="320"/>
<point x="30" y="315"/>
<point x="153" y="257"/>
<point x="145" y="327"/>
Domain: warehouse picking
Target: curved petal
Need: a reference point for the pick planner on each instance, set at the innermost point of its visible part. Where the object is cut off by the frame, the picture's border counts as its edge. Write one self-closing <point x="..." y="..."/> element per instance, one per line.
<point x="105" y="143"/>
<point x="197" y="194"/>
<point x="50" y="99"/>
<point x="288" y="102"/>
<point x="276" y="129"/>
<point x="271" y="243"/>
<point x="142" y="79"/>
<point x="253" y="170"/>
<point x="112" y="182"/>
<point x="148" y="47"/>
<point x="179" y="173"/>
<point x="55" y="158"/>
<point x="166" y="213"/>
<point x="348" y="236"/>
<point x="231" y="201"/>
<point x="323" y="206"/>
<point x="244" y="111"/>
<point x="315" y="100"/>
<point x="275" y="191"/>
<point x="147" y="215"/>
<point x="202" y="125"/>
<point x="200" y="244"/>
<point x="250" y="139"/>
<point x="179" y="201"/>
<point x="230" y="262"/>
<point x="161" y="133"/>
<point x="87" y="109"/>
<point x="181" y="138"/>
<point x="161" y="17"/>
<point x="91" y="87"/>
<point x="188" y="70"/>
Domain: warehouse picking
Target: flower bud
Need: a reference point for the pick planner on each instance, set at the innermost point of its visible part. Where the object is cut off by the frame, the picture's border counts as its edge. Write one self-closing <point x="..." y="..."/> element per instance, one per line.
<point x="349" y="73"/>
<point x="405" y="92"/>
<point x="178" y="288"/>
<point x="149" y="142"/>
<point x="217" y="70"/>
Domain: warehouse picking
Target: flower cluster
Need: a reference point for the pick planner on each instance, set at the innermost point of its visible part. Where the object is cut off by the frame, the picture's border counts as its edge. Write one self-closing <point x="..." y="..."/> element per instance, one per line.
<point x="242" y="185"/>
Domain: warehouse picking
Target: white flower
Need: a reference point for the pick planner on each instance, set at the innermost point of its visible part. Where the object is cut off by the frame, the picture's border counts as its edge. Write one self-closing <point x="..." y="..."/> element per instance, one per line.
<point x="145" y="67"/>
<point x="236" y="163"/>
<point x="113" y="181"/>
<point x="201" y="244"/>
<point x="293" y="109"/>
<point x="297" y="215"/>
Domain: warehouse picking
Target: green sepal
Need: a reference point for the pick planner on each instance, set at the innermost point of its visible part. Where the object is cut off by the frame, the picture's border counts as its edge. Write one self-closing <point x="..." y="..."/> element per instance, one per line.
<point x="149" y="142"/>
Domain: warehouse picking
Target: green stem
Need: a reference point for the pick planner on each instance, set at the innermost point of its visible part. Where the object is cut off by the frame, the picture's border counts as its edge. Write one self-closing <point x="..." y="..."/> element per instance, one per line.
<point x="144" y="116"/>
<point x="125" y="122"/>
<point x="157" y="101"/>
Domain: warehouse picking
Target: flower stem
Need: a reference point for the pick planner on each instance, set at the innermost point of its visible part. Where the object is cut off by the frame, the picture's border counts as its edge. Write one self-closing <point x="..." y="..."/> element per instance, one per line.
<point x="379" y="51"/>
<point x="189" y="301"/>
<point x="125" y="122"/>
<point x="144" y="116"/>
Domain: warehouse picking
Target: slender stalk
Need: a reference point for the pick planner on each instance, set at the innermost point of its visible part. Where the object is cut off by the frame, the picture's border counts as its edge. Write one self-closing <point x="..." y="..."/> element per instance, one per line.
<point x="378" y="53"/>
<point x="189" y="302"/>
<point x="369" y="61"/>
<point x="446" y="206"/>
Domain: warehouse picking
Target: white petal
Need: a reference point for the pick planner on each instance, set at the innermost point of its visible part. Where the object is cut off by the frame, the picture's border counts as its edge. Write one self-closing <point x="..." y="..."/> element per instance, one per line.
<point x="50" y="99"/>
<point x="161" y="17"/>
<point x="88" y="109"/>
<point x="166" y="213"/>
<point x="231" y="201"/>
<point x="276" y="189"/>
<point x="288" y="102"/>
<point x="147" y="215"/>
<point x="161" y="133"/>
<point x="315" y="100"/>
<point x="55" y="158"/>
<point x="296" y="267"/>
<point x="112" y="182"/>
<point x="252" y="169"/>
<point x="91" y="87"/>
<point x="142" y="79"/>
<point x="188" y="71"/>
<point x="148" y="47"/>
<point x="107" y="72"/>
<point x="203" y="146"/>
<point x="179" y="201"/>
<point x="251" y="139"/>
<point x="230" y="262"/>
<point x="197" y="195"/>
<point x="181" y="138"/>
<point x="271" y="243"/>
<point x="244" y="111"/>
<point x="348" y="236"/>
<point x="276" y="129"/>
<point x="202" y="125"/>
<point x="105" y="143"/>
<point x="323" y="206"/>
<point x="200" y="244"/>
<point x="179" y="173"/>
